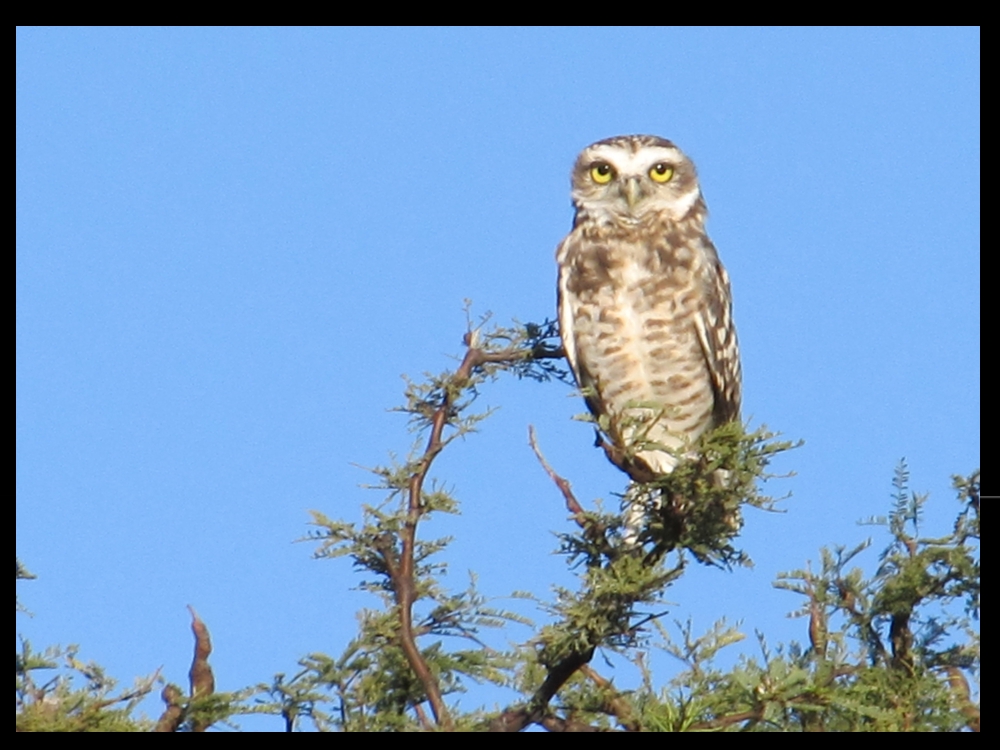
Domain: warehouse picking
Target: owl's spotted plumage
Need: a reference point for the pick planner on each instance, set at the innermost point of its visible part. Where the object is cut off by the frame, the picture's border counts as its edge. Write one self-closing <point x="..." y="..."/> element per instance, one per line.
<point x="645" y="308"/>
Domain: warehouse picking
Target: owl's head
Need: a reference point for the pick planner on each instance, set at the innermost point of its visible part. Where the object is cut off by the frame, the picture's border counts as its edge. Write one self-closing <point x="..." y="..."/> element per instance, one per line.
<point x="631" y="177"/>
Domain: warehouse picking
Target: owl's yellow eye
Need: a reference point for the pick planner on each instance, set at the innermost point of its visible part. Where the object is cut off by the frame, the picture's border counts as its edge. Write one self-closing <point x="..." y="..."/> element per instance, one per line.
<point x="661" y="172"/>
<point x="601" y="173"/>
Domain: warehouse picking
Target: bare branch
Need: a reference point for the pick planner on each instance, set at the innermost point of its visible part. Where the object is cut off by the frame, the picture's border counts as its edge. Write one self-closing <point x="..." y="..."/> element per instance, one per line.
<point x="572" y="505"/>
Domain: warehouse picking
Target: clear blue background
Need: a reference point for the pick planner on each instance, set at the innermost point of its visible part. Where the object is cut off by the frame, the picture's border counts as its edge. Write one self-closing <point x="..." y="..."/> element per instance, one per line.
<point x="232" y="242"/>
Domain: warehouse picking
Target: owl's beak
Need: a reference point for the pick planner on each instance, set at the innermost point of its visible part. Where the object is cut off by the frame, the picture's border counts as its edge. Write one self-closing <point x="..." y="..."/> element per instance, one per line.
<point x="633" y="191"/>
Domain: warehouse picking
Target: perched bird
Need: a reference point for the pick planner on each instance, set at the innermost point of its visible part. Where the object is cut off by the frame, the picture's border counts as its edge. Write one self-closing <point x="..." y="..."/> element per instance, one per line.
<point x="645" y="308"/>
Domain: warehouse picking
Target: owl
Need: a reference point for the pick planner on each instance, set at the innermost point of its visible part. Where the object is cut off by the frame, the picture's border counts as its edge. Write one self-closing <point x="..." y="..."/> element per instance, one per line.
<point x="645" y="308"/>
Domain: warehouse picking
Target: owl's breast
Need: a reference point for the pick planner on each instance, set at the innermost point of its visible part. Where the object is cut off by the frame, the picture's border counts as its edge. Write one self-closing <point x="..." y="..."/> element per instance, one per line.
<point x="631" y="307"/>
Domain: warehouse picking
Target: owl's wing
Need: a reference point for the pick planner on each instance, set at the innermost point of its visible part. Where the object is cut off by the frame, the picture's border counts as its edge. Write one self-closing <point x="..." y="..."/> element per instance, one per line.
<point x="568" y="304"/>
<point x="717" y="336"/>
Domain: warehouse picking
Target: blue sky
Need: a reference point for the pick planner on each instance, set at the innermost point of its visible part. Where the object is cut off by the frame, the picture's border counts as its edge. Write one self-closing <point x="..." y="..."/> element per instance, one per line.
<point x="231" y="243"/>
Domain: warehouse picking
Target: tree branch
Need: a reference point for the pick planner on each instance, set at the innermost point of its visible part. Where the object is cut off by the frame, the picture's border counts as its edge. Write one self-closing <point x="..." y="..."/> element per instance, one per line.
<point x="572" y="505"/>
<point x="403" y="575"/>
<point x="514" y="720"/>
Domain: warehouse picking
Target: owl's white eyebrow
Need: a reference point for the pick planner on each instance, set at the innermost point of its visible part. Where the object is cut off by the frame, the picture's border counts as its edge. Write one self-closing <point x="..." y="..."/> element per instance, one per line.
<point x="627" y="163"/>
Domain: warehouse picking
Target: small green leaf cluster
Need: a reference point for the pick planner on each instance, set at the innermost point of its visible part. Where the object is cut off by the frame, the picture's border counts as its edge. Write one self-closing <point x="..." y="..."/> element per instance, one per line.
<point x="55" y="692"/>
<point x="698" y="507"/>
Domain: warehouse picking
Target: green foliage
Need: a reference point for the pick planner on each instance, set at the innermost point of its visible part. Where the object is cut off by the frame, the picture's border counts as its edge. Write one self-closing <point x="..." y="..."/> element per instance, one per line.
<point x="891" y="649"/>
<point x="55" y="692"/>
<point x="699" y="506"/>
<point x="883" y="653"/>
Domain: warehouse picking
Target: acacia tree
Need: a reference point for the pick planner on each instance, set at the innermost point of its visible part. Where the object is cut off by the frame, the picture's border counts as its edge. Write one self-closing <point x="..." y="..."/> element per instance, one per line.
<point x="890" y="650"/>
